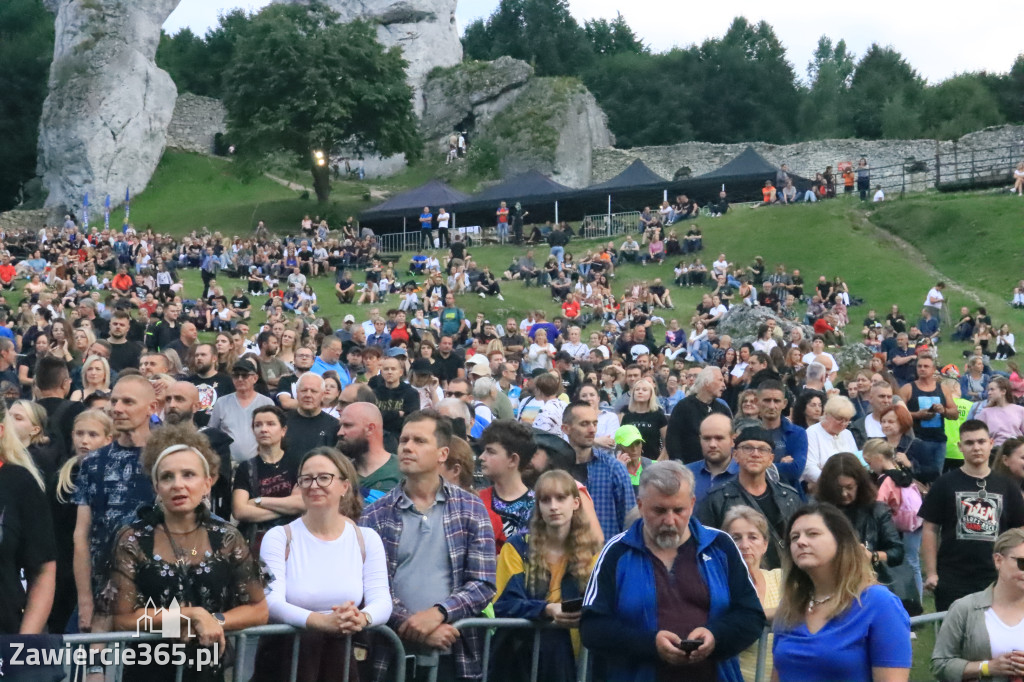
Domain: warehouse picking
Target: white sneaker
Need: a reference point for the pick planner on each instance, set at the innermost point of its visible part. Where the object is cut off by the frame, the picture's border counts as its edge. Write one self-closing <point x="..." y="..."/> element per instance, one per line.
<point x="500" y="297"/>
<point x="482" y="295"/>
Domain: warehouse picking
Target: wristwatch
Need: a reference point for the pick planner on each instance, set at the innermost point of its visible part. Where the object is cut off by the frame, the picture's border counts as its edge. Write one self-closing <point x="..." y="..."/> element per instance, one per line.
<point x="444" y="612"/>
<point x="369" y="618"/>
<point x="258" y="501"/>
<point x="219" y="617"/>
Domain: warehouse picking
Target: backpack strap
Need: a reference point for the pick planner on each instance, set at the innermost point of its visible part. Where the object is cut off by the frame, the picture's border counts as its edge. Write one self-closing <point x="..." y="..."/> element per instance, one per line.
<point x="359" y="539"/>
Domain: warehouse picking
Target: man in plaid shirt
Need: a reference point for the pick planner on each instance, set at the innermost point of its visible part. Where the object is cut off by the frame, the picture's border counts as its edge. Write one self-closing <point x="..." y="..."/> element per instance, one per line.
<point x="606" y="478"/>
<point x="441" y="559"/>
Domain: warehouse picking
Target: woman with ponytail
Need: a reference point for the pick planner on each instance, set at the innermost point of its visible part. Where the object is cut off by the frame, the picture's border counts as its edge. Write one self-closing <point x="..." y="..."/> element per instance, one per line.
<point x="26" y="540"/>
<point x="178" y="552"/>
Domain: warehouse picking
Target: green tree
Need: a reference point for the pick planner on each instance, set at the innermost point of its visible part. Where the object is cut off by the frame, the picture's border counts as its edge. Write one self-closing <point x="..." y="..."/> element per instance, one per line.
<point x="302" y="82"/>
<point x="748" y="89"/>
<point x="829" y="74"/>
<point x="881" y="76"/>
<point x="541" y="32"/>
<point x="26" y="51"/>
<point x="958" y="106"/>
<point x="613" y="37"/>
<point x="199" y="65"/>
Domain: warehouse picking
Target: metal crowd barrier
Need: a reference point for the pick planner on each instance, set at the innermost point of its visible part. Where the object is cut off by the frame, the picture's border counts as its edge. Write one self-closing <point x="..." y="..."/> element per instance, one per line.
<point x="242" y="639"/>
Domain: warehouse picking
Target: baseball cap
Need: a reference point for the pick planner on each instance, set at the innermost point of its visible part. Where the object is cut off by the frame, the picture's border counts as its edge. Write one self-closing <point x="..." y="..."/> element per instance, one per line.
<point x="638" y="350"/>
<point x="350" y="318"/>
<point x="627" y="435"/>
<point x="479" y="370"/>
<point x="422" y="366"/>
<point x="478" y="359"/>
<point x="397" y="352"/>
<point x="243" y="367"/>
<point x="538" y="372"/>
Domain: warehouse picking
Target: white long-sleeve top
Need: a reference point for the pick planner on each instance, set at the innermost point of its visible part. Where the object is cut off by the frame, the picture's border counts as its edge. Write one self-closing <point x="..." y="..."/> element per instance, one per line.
<point x="821" y="445"/>
<point x="320" y="574"/>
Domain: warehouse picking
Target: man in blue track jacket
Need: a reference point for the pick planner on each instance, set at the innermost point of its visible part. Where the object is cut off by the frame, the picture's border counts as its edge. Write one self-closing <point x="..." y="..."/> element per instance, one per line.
<point x="664" y="580"/>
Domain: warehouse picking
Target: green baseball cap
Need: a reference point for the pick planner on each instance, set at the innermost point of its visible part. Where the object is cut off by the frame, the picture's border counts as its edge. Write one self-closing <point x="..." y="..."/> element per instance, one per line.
<point x="627" y="435"/>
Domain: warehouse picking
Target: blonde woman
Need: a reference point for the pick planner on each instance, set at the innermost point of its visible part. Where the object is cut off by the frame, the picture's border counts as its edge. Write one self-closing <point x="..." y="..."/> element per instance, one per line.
<point x="82" y="340"/>
<point x="28" y="420"/>
<point x="92" y="430"/>
<point x="95" y="377"/>
<point x="646" y="415"/>
<point x="541" y="573"/>
<point x="540" y="352"/>
<point x="749" y="530"/>
<point x="28" y="542"/>
<point x="289" y="342"/>
<point x="834" y="621"/>
<point x="179" y="551"/>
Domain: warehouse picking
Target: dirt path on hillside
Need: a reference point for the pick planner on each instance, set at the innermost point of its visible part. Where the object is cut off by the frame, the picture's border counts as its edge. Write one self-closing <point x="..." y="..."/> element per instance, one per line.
<point x="862" y="219"/>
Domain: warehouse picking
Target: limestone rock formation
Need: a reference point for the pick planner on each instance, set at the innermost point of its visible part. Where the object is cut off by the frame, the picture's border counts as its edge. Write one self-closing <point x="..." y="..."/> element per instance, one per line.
<point x="469" y="95"/>
<point x="552" y="126"/>
<point x="424" y="29"/>
<point x="104" y="122"/>
<point x="742" y="322"/>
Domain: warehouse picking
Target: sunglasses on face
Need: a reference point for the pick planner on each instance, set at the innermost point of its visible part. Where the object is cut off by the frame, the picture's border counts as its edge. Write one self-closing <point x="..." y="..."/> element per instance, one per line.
<point x="455" y="394"/>
<point x="1019" y="560"/>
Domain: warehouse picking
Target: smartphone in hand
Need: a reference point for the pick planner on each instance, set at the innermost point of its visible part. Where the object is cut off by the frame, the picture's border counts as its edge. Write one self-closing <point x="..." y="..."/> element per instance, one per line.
<point x="572" y="605"/>
<point x="689" y="645"/>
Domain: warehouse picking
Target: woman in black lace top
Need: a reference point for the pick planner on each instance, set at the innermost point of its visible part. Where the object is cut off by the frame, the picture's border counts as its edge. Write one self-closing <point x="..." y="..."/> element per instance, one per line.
<point x="177" y="552"/>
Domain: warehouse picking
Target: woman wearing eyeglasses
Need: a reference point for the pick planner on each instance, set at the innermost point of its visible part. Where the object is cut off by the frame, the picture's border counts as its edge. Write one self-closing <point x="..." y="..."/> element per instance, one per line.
<point x="329" y="577"/>
<point x="982" y="636"/>
<point x="178" y="551"/>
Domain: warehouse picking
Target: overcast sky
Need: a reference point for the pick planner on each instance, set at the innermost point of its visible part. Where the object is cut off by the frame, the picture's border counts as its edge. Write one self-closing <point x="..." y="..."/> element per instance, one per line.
<point x="937" y="43"/>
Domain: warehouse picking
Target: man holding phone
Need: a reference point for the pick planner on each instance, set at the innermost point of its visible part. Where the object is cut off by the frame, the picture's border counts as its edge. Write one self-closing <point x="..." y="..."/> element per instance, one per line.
<point x="929" y="403"/>
<point x="669" y="597"/>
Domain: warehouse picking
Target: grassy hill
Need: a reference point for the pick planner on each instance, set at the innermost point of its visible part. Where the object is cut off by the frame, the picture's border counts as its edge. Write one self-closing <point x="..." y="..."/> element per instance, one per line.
<point x="962" y="238"/>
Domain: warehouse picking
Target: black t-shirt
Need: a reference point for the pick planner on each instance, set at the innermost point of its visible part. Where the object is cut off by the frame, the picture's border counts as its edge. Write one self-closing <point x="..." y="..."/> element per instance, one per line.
<point x="27" y="541"/>
<point x="458" y="250"/>
<point x="395" y="404"/>
<point x="260" y="479"/>
<point x="211" y="389"/>
<point x="306" y="433"/>
<point x="446" y="369"/>
<point x="969" y="523"/>
<point x="241" y="302"/>
<point x="649" y="424"/>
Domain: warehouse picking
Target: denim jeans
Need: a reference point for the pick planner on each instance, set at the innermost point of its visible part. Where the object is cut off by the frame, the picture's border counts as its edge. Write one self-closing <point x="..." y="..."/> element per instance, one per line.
<point x="559" y="253"/>
<point x="912" y="549"/>
<point x="933" y="454"/>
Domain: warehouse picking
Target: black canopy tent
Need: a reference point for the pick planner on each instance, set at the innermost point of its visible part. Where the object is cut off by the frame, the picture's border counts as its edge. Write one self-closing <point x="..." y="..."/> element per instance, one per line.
<point x="636" y="180"/>
<point x="743" y="178"/>
<point x="532" y="188"/>
<point x="434" y="194"/>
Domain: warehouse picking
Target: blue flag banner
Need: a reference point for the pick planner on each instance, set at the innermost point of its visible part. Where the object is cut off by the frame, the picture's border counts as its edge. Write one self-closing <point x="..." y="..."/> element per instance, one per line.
<point x="85" y="211"/>
<point x="106" y="214"/>
<point x="127" y="206"/>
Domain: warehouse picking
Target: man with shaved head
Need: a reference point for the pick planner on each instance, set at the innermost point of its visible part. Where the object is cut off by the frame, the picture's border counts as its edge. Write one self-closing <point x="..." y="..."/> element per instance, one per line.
<point x="308" y="425"/>
<point x="361" y="439"/>
<point x="110" y="488"/>
<point x="183" y="405"/>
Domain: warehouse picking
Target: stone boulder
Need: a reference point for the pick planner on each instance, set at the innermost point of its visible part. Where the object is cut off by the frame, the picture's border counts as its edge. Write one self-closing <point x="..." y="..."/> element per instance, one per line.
<point x="851" y="357"/>
<point x="742" y="322"/>
<point x="470" y="94"/>
<point x="104" y="122"/>
<point x="553" y="126"/>
<point x="425" y="30"/>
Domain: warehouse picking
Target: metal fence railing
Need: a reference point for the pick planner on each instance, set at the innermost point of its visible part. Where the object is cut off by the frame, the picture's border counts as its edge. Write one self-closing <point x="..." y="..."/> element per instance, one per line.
<point x="609" y="224"/>
<point x="243" y="639"/>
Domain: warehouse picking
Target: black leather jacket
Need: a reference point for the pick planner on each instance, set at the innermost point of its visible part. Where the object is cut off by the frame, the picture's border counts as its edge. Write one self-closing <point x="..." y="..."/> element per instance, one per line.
<point x="731" y="494"/>
<point x="877" y="530"/>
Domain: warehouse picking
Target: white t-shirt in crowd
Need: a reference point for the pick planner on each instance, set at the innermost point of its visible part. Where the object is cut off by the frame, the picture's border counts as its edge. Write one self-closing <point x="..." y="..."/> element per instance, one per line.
<point x="442" y="220"/>
<point x="319" y="574"/>
<point x="821" y="445"/>
<point x="1003" y="638"/>
<point x="934" y="295"/>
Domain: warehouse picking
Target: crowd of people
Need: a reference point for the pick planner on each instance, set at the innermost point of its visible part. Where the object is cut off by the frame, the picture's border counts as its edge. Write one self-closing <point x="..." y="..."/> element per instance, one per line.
<point x="658" y="495"/>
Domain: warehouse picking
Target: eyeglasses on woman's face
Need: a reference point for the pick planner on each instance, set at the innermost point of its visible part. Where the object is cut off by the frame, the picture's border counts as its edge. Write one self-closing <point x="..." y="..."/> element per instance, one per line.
<point x="322" y="480"/>
<point x="1018" y="559"/>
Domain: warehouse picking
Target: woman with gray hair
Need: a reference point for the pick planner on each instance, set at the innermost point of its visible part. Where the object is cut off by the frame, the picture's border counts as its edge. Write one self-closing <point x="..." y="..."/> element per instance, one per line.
<point x="828" y="437"/>
<point x="485" y="392"/>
